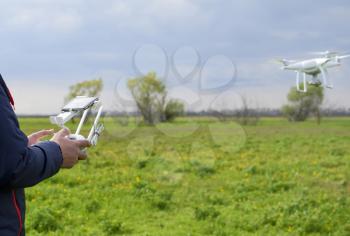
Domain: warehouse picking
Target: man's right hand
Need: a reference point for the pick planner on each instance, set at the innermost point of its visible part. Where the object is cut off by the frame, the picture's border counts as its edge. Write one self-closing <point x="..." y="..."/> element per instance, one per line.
<point x="71" y="149"/>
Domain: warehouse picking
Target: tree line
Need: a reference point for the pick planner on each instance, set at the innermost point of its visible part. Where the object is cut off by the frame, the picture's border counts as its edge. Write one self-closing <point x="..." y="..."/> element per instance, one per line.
<point x="154" y="105"/>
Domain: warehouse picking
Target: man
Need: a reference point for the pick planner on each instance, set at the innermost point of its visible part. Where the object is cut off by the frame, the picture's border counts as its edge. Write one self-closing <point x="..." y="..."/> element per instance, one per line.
<point x="24" y="162"/>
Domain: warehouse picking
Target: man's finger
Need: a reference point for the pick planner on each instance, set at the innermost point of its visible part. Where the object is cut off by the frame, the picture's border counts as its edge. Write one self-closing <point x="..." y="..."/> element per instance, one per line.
<point x="43" y="133"/>
<point x="63" y="132"/>
<point x="83" y="143"/>
<point x="82" y="155"/>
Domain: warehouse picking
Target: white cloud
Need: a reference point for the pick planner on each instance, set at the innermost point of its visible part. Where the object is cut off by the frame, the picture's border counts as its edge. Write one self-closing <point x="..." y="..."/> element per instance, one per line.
<point x="37" y="98"/>
<point x="75" y="40"/>
<point x="41" y="18"/>
<point x="294" y="35"/>
<point x="151" y="16"/>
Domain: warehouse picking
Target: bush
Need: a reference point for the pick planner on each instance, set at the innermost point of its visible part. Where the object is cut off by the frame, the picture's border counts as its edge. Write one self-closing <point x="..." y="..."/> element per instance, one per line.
<point x="112" y="226"/>
<point x="302" y="105"/>
<point x="203" y="213"/>
<point x="44" y="220"/>
<point x="173" y="109"/>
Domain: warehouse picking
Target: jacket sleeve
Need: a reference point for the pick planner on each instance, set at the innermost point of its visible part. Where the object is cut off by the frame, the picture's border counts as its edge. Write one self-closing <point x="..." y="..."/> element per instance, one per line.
<point x="22" y="166"/>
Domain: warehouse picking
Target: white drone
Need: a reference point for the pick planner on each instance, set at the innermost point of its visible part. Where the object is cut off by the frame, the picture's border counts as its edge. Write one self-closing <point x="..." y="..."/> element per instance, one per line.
<point x="78" y="105"/>
<point x="314" y="67"/>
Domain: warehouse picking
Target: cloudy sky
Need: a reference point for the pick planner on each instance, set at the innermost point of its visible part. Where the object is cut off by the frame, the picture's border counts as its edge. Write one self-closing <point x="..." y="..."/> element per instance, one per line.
<point x="208" y="52"/>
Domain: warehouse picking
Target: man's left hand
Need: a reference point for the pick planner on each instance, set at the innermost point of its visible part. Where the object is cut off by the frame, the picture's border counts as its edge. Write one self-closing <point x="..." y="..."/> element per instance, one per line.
<point x="35" y="137"/>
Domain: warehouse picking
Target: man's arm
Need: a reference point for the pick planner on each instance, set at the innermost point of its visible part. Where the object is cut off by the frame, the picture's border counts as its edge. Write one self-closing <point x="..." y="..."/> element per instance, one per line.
<point x="22" y="166"/>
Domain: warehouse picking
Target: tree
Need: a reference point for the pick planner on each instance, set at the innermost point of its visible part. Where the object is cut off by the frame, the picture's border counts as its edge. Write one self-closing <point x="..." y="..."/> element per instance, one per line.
<point x="150" y="96"/>
<point x="173" y="109"/>
<point x="91" y="88"/>
<point x="247" y="115"/>
<point x="302" y="105"/>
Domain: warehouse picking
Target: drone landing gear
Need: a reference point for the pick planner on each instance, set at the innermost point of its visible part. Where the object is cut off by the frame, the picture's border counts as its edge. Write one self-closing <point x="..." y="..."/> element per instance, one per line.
<point x="326" y="81"/>
<point x="304" y="83"/>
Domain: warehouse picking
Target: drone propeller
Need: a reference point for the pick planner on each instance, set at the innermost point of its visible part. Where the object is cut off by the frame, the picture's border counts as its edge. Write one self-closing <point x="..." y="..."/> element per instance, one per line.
<point x="325" y="53"/>
<point x="343" y="56"/>
<point x="285" y="62"/>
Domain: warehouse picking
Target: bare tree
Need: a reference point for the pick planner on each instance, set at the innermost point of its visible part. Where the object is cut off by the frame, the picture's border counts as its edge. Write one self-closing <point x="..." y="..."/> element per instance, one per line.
<point x="247" y="115"/>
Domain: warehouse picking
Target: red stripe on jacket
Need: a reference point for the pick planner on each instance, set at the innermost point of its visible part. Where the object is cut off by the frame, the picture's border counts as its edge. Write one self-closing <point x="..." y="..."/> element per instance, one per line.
<point x="18" y="211"/>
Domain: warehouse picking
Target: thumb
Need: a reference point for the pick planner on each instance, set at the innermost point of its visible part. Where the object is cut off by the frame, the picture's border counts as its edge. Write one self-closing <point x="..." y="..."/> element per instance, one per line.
<point x="83" y="143"/>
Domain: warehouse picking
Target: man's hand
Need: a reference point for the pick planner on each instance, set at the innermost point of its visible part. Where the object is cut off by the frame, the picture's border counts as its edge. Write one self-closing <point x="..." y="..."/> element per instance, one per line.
<point x="71" y="149"/>
<point x="35" y="137"/>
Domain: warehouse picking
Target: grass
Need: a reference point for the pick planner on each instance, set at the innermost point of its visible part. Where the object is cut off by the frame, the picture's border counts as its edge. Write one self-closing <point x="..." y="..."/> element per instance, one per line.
<point x="201" y="177"/>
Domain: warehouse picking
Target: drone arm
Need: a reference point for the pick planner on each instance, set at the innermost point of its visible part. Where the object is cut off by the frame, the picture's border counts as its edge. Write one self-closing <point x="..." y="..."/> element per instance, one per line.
<point x="344" y="56"/>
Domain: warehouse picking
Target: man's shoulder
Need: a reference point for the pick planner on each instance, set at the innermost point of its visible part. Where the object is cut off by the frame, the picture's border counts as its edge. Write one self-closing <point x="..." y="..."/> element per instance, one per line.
<point x="4" y="91"/>
<point x="2" y="86"/>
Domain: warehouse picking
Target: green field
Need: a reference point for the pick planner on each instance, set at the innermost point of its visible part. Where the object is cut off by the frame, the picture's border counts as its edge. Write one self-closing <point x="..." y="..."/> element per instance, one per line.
<point x="201" y="177"/>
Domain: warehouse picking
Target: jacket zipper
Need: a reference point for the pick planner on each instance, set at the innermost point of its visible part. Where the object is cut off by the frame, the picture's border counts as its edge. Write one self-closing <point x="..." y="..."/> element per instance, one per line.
<point x="18" y="211"/>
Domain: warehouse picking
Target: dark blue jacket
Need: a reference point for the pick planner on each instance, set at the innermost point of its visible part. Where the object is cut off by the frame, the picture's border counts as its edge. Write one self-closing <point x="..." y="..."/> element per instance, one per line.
<point x="20" y="166"/>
